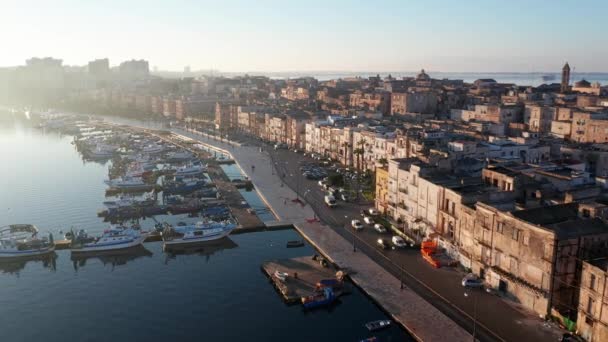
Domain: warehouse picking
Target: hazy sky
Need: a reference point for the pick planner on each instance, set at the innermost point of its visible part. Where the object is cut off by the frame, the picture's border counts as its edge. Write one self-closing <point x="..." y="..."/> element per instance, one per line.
<point x="307" y="35"/>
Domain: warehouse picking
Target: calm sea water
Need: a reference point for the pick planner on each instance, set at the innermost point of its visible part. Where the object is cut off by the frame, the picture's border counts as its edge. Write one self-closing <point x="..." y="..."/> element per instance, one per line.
<point x="519" y="78"/>
<point x="217" y="293"/>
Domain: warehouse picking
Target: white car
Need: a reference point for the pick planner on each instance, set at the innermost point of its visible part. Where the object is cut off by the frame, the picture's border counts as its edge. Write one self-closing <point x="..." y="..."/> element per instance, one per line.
<point x="398" y="242"/>
<point x="379" y="228"/>
<point x="368" y="220"/>
<point x="373" y="211"/>
<point x="356" y="224"/>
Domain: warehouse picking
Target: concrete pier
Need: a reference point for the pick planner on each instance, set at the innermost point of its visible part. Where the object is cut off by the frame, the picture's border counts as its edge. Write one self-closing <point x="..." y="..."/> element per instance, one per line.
<point x="303" y="275"/>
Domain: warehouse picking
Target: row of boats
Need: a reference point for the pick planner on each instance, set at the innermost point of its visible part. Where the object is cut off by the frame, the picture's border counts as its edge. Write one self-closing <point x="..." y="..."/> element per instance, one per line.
<point x="25" y="240"/>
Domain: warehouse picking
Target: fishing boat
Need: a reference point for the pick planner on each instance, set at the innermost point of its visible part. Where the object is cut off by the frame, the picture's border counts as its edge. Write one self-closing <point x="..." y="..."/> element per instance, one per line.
<point x="130" y="201"/>
<point x="128" y="183"/>
<point x="179" y="156"/>
<point x="184" y="186"/>
<point x="153" y="149"/>
<point x="100" y="153"/>
<point x="319" y="299"/>
<point x="200" y="232"/>
<point x="115" y="238"/>
<point x="378" y="325"/>
<point x="21" y="240"/>
<point x="190" y="170"/>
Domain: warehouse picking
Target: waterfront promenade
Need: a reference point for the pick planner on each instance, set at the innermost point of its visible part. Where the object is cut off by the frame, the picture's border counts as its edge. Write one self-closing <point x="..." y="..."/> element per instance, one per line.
<point x="422" y="320"/>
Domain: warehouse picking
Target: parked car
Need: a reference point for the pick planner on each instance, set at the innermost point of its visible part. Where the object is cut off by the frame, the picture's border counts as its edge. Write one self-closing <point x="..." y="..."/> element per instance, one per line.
<point x="373" y="211"/>
<point x="398" y="242"/>
<point x="471" y="280"/>
<point x="330" y="201"/>
<point x="382" y="243"/>
<point x="356" y="224"/>
<point x="379" y="228"/>
<point x="368" y="220"/>
<point x="322" y="183"/>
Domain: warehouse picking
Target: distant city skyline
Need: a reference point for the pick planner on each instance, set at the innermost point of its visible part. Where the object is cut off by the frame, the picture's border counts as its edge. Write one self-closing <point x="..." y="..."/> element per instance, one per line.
<point x="337" y="36"/>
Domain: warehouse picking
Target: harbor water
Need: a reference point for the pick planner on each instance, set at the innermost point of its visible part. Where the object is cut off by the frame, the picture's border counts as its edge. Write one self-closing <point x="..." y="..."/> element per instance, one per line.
<point x="213" y="293"/>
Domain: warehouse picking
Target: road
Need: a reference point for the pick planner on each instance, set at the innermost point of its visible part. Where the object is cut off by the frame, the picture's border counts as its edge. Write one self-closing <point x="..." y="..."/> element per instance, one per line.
<point x="495" y="319"/>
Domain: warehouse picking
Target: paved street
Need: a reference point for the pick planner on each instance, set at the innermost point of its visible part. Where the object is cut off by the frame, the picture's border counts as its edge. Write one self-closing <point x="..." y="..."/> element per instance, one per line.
<point x="496" y="319"/>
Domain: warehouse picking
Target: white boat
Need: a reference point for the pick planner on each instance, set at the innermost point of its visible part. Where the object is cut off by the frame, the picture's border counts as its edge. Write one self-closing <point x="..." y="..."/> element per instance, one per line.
<point x="128" y="183"/>
<point x="101" y="153"/>
<point x="21" y="240"/>
<point x="128" y="201"/>
<point x="190" y="170"/>
<point x="281" y="275"/>
<point x="117" y="237"/>
<point x="196" y="233"/>
<point x="153" y="149"/>
<point x="179" y="156"/>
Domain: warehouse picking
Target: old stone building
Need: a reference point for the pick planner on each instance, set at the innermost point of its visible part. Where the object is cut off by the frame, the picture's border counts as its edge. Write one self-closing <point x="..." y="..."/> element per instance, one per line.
<point x="592" y="318"/>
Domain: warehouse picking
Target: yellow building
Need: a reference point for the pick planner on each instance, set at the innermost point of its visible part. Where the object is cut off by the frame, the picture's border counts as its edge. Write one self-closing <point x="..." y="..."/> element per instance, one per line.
<point x="382" y="189"/>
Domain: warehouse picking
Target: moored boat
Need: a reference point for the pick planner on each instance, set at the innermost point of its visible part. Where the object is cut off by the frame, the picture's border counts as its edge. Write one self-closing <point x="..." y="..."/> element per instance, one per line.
<point x="196" y="233"/>
<point x="129" y="183"/>
<point x="190" y="170"/>
<point x="184" y="186"/>
<point x="378" y="325"/>
<point x="21" y="240"/>
<point x="319" y="299"/>
<point x="117" y="237"/>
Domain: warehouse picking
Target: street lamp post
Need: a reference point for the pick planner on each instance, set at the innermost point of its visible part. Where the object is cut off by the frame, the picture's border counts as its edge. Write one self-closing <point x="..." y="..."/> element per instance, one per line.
<point x="466" y="294"/>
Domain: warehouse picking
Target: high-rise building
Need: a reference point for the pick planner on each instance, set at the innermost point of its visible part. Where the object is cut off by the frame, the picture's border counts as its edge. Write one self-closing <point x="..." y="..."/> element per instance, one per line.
<point x="135" y="69"/>
<point x="99" y="67"/>
<point x="565" y="78"/>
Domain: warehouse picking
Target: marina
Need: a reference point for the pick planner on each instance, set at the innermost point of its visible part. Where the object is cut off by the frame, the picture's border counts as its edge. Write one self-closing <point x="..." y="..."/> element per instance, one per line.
<point x="149" y="270"/>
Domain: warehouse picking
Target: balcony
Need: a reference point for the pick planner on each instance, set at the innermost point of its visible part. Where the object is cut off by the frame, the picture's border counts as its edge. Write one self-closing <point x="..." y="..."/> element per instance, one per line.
<point x="449" y="212"/>
<point x="403" y="190"/>
<point x="520" y="281"/>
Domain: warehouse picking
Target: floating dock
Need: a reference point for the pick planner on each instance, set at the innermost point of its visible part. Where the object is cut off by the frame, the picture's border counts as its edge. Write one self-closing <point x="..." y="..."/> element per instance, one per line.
<point x="303" y="275"/>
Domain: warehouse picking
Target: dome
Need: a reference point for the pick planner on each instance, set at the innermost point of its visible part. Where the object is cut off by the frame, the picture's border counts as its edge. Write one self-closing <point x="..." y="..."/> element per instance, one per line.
<point x="582" y="84"/>
<point x="422" y="76"/>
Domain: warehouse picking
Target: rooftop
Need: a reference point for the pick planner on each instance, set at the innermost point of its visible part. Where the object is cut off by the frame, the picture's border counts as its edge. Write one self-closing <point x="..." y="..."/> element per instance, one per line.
<point x="563" y="219"/>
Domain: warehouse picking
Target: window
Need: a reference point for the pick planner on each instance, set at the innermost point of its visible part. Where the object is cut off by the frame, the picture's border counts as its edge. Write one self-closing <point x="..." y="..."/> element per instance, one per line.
<point x="592" y="282"/>
<point x="500" y="226"/>
<point x="526" y="239"/>
<point x="516" y="233"/>
<point x="514" y="265"/>
<point x="590" y="303"/>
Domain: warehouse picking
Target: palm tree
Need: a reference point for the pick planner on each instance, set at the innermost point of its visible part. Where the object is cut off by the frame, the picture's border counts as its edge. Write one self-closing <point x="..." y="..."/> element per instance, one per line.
<point x="383" y="161"/>
<point x="359" y="153"/>
<point x="345" y="146"/>
<point x="361" y="149"/>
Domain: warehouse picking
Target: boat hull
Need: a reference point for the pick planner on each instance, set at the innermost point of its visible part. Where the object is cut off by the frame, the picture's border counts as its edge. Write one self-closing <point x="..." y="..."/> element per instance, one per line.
<point x="196" y="240"/>
<point x="92" y="248"/>
<point x="10" y="254"/>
